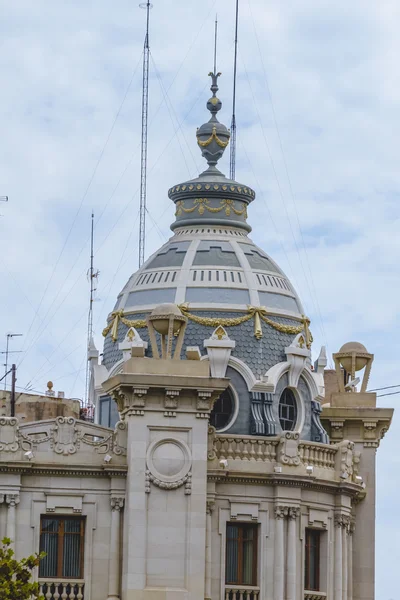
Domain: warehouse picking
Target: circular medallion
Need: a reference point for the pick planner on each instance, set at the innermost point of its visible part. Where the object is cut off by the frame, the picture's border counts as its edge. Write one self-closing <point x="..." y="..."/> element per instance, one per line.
<point x="168" y="459"/>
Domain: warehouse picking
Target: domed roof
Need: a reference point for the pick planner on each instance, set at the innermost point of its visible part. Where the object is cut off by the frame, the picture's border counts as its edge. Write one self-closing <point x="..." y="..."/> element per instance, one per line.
<point x="213" y="268"/>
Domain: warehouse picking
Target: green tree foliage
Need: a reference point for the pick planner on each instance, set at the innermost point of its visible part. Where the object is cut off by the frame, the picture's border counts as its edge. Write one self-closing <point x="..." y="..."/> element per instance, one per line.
<point x="16" y="575"/>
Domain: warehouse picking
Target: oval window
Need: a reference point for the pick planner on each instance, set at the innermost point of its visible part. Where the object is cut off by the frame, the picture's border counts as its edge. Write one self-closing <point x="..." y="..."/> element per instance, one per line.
<point x="223" y="410"/>
<point x="287" y="410"/>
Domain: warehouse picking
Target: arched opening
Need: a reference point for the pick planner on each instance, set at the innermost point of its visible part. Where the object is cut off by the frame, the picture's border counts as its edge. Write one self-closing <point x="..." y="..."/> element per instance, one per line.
<point x="223" y="410"/>
<point x="287" y="410"/>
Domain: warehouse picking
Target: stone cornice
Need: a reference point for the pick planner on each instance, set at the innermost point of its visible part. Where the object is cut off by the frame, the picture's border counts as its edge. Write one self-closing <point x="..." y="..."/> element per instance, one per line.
<point x="332" y="487"/>
<point x="373" y="423"/>
<point x="58" y="470"/>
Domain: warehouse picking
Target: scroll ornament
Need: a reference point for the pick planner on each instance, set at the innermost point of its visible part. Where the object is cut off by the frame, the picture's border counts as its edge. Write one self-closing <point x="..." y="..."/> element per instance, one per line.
<point x="258" y="313"/>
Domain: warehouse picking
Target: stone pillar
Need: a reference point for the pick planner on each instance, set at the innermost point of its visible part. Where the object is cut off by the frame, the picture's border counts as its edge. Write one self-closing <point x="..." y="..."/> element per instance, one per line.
<point x="279" y="566"/>
<point x="338" y="585"/>
<point x="345" y="551"/>
<point x="207" y="589"/>
<point x="350" y="561"/>
<point x="12" y="500"/>
<point x="291" y="554"/>
<point x="166" y="406"/>
<point x="114" y="562"/>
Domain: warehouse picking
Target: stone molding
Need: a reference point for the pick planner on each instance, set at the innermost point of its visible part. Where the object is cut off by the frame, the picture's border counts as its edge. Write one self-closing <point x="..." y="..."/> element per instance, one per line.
<point x="288" y="450"/>
<point x="64" y="435"/>
<point x="369" y="423"/>
<point x="168" y="480"/>
<point x="12" y="500"/>
<point x="117" y="503"/>
<point x="348" y="460"/>
<point x="343" y="521"/>
<point x="283" y="511"/>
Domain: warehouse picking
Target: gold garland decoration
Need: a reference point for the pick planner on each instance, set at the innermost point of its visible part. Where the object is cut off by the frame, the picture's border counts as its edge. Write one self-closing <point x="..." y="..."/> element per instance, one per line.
<point x="116" y="317"/>
<point x="212" y="137"/>
<point x="202" y="204"/>
<point x="257" y="312"/>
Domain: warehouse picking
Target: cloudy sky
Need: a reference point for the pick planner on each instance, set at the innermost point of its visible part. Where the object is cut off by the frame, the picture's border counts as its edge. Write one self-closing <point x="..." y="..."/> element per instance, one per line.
<point x="318" y="135"/>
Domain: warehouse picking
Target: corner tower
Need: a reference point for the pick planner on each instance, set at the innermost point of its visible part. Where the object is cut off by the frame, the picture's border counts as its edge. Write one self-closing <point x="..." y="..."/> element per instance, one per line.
<point x="219" y="278"/>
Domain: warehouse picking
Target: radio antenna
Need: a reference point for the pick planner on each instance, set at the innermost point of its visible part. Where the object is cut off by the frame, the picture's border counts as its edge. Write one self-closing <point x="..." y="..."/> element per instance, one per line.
<point x="92" y="276"/>
<point x="143" y="158"/>
<point x="232" y="169"/>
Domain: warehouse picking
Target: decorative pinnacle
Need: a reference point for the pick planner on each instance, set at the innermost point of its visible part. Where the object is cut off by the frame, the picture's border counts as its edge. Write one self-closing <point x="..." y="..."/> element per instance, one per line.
<point x="214" y="104"/>
<point x="213" y="137"/>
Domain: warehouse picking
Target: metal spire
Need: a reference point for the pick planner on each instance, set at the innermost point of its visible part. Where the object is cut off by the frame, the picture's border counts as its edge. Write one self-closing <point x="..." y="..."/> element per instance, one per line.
<point x="232" y="168"/>
<point x="143" y="159"/>
<point x="92" y="275"/>
<point x="215" y="43"/>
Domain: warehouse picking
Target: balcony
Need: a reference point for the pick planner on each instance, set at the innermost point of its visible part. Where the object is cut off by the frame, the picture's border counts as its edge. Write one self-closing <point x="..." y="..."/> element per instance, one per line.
<point x="62" y="589"/>
<point x="241" y="592"/>
<point x="308" y="595"/>
<point x="287" y="454"/>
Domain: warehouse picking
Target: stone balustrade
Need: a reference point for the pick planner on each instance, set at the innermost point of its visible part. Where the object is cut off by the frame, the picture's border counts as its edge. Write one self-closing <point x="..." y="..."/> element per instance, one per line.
<point x="241" y="592"/>
<point x="245" y="448"/>
<point x="308" y="595"/>
<point x="265" y="449"/>
<point x="263" y="455"/>
<point x="318" y="455"/>
<point x="62" y="589"/>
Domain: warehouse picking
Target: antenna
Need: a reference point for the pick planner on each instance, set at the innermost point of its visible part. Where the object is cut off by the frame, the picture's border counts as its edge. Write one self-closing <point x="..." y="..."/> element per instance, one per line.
<point x="143" y="158"/>
<point x="232" y="169"/>
<point x="92" y="275"/>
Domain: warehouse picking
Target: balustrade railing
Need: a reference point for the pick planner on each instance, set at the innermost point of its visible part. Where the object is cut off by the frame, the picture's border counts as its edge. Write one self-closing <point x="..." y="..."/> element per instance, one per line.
<point x="264" y="449"/>
<point x="242" y="592"/>
<point x="308" y="595"/>
<point x="53" y="589"/>
<point x="318" y="455"/>
<point x="245" y="448"/>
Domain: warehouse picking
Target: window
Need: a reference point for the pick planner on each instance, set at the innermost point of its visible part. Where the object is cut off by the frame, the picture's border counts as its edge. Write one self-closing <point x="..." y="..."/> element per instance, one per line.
<point x="287" y="410"/>
<point x="223" y="410"/>
<point x="241" y="554"/>
<point x="63" y="540"/>
<point x="108" y="412"/>
<point x="312" y="554"/>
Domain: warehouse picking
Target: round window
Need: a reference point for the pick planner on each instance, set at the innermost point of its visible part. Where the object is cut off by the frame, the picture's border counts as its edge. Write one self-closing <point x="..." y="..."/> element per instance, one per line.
<point x="223" y="410"/>
<point x="287" y="410"/>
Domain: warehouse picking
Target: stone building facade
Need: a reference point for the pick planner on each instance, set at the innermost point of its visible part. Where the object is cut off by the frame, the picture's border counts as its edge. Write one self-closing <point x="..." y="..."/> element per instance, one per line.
<point x="217" y="469"/>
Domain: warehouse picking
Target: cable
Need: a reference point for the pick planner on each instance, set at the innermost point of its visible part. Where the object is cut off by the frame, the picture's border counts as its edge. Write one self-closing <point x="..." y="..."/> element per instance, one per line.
<point x="288" y="178"/>
<point x="178" y="128"/>
<point x="389" y="394"/>
<point x="83" y="198"/>
<point x="388" y="387"/>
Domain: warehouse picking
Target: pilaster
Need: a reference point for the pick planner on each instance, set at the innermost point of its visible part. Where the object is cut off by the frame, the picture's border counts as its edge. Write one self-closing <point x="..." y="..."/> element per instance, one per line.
<point x="167" y="513"/>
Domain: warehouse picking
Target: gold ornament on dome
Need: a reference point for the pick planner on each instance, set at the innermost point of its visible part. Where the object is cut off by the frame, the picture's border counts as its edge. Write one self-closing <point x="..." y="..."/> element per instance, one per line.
<point x="258" y="313"/>
<point x="212" y="137"/>
<point x="203" y="205"/>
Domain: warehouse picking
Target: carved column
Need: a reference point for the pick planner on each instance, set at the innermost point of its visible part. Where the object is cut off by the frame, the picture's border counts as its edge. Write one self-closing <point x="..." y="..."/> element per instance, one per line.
<point x="279" y="568"/>
<point x="113" y="575"/>
<point x="338" y="583"/>
<point x="207" y="588"/>
<point x="12" y="500"/>
<point x="291" y="554"/>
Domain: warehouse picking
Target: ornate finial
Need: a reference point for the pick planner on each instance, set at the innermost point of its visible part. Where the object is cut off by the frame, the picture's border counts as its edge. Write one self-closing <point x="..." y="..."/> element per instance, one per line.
<point x="213" y="137"/>
<point x="214" y="104"/>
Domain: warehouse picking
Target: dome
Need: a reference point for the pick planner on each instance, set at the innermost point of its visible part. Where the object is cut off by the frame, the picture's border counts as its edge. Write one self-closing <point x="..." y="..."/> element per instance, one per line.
<point x="213" y="271"/>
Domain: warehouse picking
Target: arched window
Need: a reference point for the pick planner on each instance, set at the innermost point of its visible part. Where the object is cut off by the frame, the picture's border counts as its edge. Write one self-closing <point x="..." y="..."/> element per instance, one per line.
<point x="223" y="410"/>
<point x="287" y="410"/>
